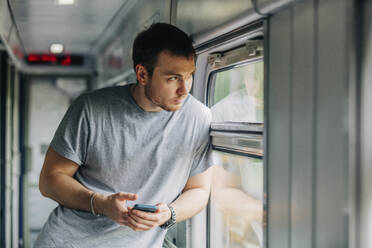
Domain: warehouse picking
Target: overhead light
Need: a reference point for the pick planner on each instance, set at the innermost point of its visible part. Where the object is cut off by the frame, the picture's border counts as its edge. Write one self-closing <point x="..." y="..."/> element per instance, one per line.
<point x="56" y="48"/>
<point x="65" y="2"/>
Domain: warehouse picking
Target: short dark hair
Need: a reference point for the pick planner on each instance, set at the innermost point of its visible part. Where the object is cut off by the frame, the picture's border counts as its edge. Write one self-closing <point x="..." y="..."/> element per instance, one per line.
<point x="157" y="38"/>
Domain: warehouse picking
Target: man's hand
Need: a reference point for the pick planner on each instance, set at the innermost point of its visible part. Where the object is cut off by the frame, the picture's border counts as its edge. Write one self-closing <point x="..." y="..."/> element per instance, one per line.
<point x="142" y="221"/>
<point x="113" y="206"/>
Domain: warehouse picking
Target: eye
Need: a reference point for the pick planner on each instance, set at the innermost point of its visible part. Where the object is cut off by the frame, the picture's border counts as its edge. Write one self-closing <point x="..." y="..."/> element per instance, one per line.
<point x="171" y="79"/>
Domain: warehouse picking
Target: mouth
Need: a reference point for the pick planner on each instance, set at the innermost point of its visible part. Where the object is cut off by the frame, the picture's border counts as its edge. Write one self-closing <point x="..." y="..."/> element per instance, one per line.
<point x="179" y="100"/>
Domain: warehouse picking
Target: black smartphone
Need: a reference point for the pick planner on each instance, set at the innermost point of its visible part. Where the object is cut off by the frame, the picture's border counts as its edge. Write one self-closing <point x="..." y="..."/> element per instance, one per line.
<point x="145" y="208"/>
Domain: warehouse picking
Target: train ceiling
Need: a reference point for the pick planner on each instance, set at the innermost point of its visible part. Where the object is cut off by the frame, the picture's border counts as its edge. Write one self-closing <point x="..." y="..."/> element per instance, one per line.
<point x="77" y="24"/>
<point x="88" y="28"/>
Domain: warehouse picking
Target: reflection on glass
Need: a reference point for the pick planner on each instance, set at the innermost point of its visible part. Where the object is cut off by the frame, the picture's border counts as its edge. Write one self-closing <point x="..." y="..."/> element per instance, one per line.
<point x="238" y="94"/>
<point x="236" y="206"/>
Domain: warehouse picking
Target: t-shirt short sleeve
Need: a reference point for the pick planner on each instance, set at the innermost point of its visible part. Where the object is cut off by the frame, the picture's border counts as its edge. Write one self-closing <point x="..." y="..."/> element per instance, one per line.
<point x="71" y="137"/>
<point x="203" y="159"/>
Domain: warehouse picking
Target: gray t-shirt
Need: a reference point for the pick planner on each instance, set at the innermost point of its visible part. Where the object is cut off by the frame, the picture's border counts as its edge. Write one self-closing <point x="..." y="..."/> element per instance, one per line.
<point x="120" y="147"/>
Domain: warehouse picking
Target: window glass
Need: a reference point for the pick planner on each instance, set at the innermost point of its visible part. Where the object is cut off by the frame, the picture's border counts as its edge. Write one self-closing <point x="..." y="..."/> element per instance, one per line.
<point x="238" y="94"/>
<point x="236" y="204"/>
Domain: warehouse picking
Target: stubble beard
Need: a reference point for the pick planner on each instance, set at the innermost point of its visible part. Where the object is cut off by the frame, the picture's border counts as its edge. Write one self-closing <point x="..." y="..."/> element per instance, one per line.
<point x="157" y="99"/>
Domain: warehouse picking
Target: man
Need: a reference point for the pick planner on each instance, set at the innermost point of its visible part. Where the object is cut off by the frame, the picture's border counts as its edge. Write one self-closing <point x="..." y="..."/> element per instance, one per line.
<point x="144" y="143"/>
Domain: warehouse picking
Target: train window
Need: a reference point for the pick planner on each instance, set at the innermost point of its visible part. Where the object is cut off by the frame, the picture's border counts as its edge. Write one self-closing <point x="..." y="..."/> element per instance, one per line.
<point x="236" y="205"/>
<point x="238" y="94"/>
<point x="236" y="98"/>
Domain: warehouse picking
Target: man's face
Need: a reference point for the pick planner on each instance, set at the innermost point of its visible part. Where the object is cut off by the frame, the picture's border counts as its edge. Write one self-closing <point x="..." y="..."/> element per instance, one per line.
<point x="171" y="81"/>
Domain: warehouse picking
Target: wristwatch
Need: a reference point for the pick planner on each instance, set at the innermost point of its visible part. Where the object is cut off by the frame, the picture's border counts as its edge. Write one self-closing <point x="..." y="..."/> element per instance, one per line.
<point x="172" y="219"/>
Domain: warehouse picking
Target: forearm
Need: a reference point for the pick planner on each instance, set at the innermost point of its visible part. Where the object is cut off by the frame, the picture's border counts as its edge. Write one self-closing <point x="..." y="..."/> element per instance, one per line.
<point x="238" y="202"/>
<point x="190" y="202"/>
<point x="65" y="190"/>
<point x="70" y="193"/>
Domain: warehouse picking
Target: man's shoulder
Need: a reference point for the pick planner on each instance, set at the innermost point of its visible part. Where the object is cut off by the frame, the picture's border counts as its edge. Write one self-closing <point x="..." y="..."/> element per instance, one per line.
<point x="198" y="109"/>
<point x="106" y="92"/>
<point x="195" y="103"/>
<point x="102" y="95"/>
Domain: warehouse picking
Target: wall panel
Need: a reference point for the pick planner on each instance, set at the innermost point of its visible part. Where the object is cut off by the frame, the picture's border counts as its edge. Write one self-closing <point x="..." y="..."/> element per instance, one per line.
<point x="366" y="131"/>
<point x="331" y="136"/>
<point x="308" y="128"/>
<point x="302" y="124"/>
<point x="278" y="154"/>
<point x="3" y="108"/>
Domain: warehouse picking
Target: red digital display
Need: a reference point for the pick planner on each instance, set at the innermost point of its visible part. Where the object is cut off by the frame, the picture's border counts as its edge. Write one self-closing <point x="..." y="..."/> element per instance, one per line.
<point x="55" y="59"/>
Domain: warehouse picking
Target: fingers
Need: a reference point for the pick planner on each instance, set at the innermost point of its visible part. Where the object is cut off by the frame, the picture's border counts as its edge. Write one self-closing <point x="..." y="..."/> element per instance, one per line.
<point x="126" y="196"/>
<point x="162" y="207"/>
<point x="123" y="220"/>
<point x="138" y="226"/>
<point x="144" y="216"/>
<point x="137" y="219"/>
<point x="164" y="211"/>
<point x="140" y="220"/>
<point x="114" y="206"/>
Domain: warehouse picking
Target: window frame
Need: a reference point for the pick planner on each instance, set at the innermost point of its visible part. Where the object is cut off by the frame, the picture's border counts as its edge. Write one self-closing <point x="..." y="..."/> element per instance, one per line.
<point x="198" y="226"/>
<point x="224" y="129"/>
<point x="211" y="83"/>
<point x="212" y="76"/>
<point x="237" y="131"/>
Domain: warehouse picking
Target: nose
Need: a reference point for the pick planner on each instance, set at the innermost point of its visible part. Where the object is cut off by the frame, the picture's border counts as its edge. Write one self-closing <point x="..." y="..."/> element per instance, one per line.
<point x="182" y="88"/>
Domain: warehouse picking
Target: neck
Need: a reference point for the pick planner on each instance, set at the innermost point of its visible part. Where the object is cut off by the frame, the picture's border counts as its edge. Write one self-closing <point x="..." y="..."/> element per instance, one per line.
<point x="138" y="93"/>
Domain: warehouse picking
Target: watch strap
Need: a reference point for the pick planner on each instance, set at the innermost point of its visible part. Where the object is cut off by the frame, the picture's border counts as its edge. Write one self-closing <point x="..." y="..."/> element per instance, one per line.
<point x="172" y="219"/>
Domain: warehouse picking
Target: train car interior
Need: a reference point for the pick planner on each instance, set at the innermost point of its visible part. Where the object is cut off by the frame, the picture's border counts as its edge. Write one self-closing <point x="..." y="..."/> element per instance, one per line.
<point x="288" y="86"/>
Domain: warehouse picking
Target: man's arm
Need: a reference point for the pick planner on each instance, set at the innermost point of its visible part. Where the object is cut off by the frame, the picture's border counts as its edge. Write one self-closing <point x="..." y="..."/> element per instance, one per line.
<point x="193" y="199"/>
<point x="194" y="196"/>
<point x="227" y="192"/>
<point x="57" y="182"/>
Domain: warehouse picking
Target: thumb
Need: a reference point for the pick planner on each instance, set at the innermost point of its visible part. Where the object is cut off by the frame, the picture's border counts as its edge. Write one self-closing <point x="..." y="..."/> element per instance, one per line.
<point x="161" y="207"/>
<point x="126" y="196"/>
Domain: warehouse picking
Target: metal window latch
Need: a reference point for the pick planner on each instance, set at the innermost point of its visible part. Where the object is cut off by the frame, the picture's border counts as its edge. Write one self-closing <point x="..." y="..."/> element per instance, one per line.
<point x="257" y="9"/>
<point x="254" y="47"/>
<point x="215" y="59"/>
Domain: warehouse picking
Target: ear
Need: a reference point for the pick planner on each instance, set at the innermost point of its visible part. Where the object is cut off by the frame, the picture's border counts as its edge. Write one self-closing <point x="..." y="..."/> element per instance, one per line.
<point x="142" y="74"/>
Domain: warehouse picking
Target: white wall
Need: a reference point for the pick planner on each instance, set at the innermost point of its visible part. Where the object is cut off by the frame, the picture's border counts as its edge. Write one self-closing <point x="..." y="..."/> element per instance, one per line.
<point x="47" y="102"/>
